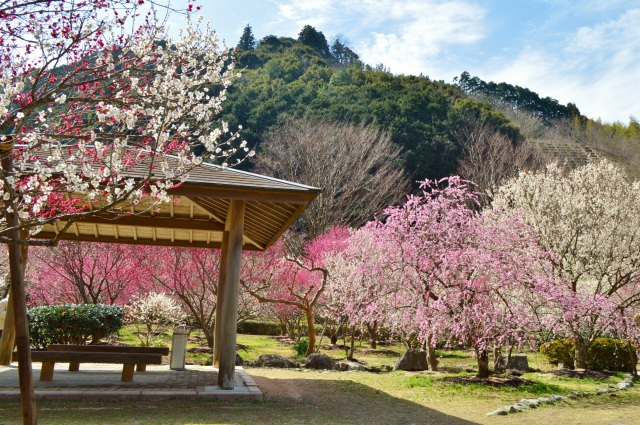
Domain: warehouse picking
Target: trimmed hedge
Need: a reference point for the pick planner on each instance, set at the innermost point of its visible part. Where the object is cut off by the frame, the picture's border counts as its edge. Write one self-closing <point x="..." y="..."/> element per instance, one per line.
<point x="611" y="354"/>
<point x="259" y="327"/>
<point x="603" y="354"/>
<point x="559" y="351"/>
<point x="73" y="323"/>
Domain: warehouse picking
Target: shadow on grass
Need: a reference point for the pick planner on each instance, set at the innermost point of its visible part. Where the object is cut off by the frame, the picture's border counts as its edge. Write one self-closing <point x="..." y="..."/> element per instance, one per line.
<point x="287" y="401"/>
<point x="319" y="401"/>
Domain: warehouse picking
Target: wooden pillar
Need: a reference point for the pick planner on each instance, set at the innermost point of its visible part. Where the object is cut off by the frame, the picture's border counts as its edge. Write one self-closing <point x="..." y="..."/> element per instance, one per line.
<point x="229" y="302"/>
<point x="17" y="268"/>
<point x="222" y="275"/>
<point x="8" y="339"/>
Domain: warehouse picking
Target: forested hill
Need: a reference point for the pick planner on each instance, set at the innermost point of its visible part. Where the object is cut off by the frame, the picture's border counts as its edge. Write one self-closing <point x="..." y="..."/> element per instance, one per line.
<point x="307" y="77"/>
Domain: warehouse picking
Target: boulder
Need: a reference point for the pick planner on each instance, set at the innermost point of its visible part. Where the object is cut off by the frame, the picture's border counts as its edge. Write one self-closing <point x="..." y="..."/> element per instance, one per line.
<point x="498" y="412"/>
<point x="519" y="364"/>
<point x="412" y="359"/>
<point x="319" y="361"/>
<point x="273" y="360"/>
<point x="345" y="366"/>
<point x="624" y="385"/>
<point x="239" y="360"/>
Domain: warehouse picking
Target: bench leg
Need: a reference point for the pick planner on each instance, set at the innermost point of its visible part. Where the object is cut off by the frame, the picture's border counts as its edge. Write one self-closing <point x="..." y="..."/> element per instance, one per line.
<point x="46" y="373"/>
<point x="74" y="367"/>
<point x="127" y="372"/>
<point x="141" y="367"/>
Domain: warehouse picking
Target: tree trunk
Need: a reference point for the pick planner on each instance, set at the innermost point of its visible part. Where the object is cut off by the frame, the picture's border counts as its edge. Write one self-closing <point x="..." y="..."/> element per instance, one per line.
<point x="497" y="352"/>
<point x="334" y="335"/>
<point x="580" y="352"/>
<point x="632" y="360"/>
<point x="8" y="339"/>
<point x="432" y="358"/>
<point x="17" y="257"/>
<point x="483" y="363"/>
<point x="373" y="333"/>
<point x="353" y="338"/>
<point x="312" y="332"/>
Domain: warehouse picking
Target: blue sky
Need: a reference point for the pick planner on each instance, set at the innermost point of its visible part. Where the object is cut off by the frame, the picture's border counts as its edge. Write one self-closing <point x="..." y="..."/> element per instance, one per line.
<point x="586" y="52"/>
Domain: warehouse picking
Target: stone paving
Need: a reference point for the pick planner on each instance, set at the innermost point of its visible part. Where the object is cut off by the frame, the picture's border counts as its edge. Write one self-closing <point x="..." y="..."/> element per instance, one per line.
<point x="103" y="381"/>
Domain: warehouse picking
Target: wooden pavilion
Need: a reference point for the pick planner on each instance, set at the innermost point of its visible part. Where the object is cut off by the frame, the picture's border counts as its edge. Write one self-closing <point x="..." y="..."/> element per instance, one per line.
<point x="215" y="207"/>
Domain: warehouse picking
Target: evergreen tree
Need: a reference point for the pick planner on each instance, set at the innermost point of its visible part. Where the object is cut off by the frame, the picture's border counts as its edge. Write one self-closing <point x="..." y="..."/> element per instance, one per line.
<point x="315" y="39"/>
<point x="247" y="41"/>
<point x="343" y="54"/>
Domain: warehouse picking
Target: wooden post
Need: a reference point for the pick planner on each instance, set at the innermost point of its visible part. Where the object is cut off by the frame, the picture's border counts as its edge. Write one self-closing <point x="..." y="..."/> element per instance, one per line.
<point x="229" y="302"/>
<point x="16" y="268"/>
<point x="8" y="339"/>
<point x="222" y="275"/>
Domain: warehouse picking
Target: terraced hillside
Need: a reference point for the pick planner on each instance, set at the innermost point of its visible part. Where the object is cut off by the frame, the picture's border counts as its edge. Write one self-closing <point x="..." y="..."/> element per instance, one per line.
<point x="568" y="151"/>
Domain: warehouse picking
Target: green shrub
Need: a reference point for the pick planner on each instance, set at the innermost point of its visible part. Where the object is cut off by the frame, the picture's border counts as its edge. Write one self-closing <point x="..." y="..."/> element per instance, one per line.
<point x="73" y="323"/>
<point x="559" y="351"/>
<point x="603" y="354"/>
<point x="611" y="354"/>
<point x="259" y="327"/>
<point x="301" y="347"/>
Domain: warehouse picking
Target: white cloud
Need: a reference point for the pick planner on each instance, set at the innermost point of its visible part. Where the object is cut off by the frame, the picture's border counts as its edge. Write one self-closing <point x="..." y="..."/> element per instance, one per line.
<point x="596" y="68"/>
<point x="406" y="36"/>
<point x="422" y="31"/>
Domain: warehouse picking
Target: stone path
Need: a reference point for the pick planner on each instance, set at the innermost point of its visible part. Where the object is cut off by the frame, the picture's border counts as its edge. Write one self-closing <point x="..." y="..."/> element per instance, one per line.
<point x="103" y="381"/>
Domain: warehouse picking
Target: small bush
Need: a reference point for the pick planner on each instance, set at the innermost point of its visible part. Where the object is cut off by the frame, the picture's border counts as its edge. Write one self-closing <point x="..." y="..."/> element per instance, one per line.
<point x="153" y="314"/>
<point x="259" y="327"/>
<point x="611" y="354"/>
<point x="559" y="351"/>
<point x="73" y="323"/>
<point x="603" y="354"/>
<point x="301" y="347"/>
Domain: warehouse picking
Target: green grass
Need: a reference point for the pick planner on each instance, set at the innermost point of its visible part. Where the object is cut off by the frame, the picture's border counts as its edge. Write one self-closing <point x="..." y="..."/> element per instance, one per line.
<point x="295" y="396"/>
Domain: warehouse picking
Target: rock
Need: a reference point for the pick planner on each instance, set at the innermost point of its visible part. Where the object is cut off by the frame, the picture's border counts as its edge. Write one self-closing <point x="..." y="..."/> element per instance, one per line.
<point x="521" y="406"/>
<point x="624" y="385"/>
<point x="346" y="366"/>
<point x="544" y="400"/>
<point x="239" y="360"/>
<point x="498" y="412"/>
<point x="273" y="360"/>
<point x="531" y="402"/>
<point x="573" y="394"/>
<point x="519" y="364"/>
<point x="512" y="409"/>
<point x="602" y="391"/>
<point x="319" y="361"/>
<point x="412" y="360"/>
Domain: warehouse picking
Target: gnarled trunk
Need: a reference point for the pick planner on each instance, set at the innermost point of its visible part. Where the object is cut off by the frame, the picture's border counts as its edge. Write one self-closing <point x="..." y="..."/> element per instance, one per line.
<point x="580" y="352"/>
<point x="373" y="333"/>
<point x="312" y="333"/>
<point x="483" y="363"/>
<point x="432" y="358"/>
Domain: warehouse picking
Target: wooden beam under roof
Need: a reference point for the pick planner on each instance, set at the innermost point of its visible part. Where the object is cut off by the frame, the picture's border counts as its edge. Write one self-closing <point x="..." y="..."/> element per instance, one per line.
<point x="155" y="221"/>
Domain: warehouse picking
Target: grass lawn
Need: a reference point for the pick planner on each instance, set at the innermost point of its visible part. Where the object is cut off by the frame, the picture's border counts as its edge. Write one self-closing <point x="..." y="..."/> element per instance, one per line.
<point x="298" y="396"/>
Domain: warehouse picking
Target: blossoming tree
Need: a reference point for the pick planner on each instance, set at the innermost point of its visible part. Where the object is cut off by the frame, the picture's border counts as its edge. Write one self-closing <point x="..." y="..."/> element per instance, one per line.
<point x="191" y="275"/>
<point x="590" y="219"/>
<point x="85" y="273"/>
<point x="439" y="270"/>
<point x="93" y="99"/>
<point x="272" y="277"/>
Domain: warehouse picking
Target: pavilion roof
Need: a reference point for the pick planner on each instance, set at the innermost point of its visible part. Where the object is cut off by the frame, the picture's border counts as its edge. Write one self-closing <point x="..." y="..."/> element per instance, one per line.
<point x="197" y="215"/>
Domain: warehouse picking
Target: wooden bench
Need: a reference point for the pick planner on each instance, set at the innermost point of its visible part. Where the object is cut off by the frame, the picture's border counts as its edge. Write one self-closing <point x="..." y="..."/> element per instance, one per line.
<point x="140" y="367"/>
<point x="76" y="354"/>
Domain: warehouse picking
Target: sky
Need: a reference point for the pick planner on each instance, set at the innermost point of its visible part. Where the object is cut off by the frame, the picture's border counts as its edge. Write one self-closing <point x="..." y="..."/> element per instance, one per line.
<point x="581" y="51"/>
